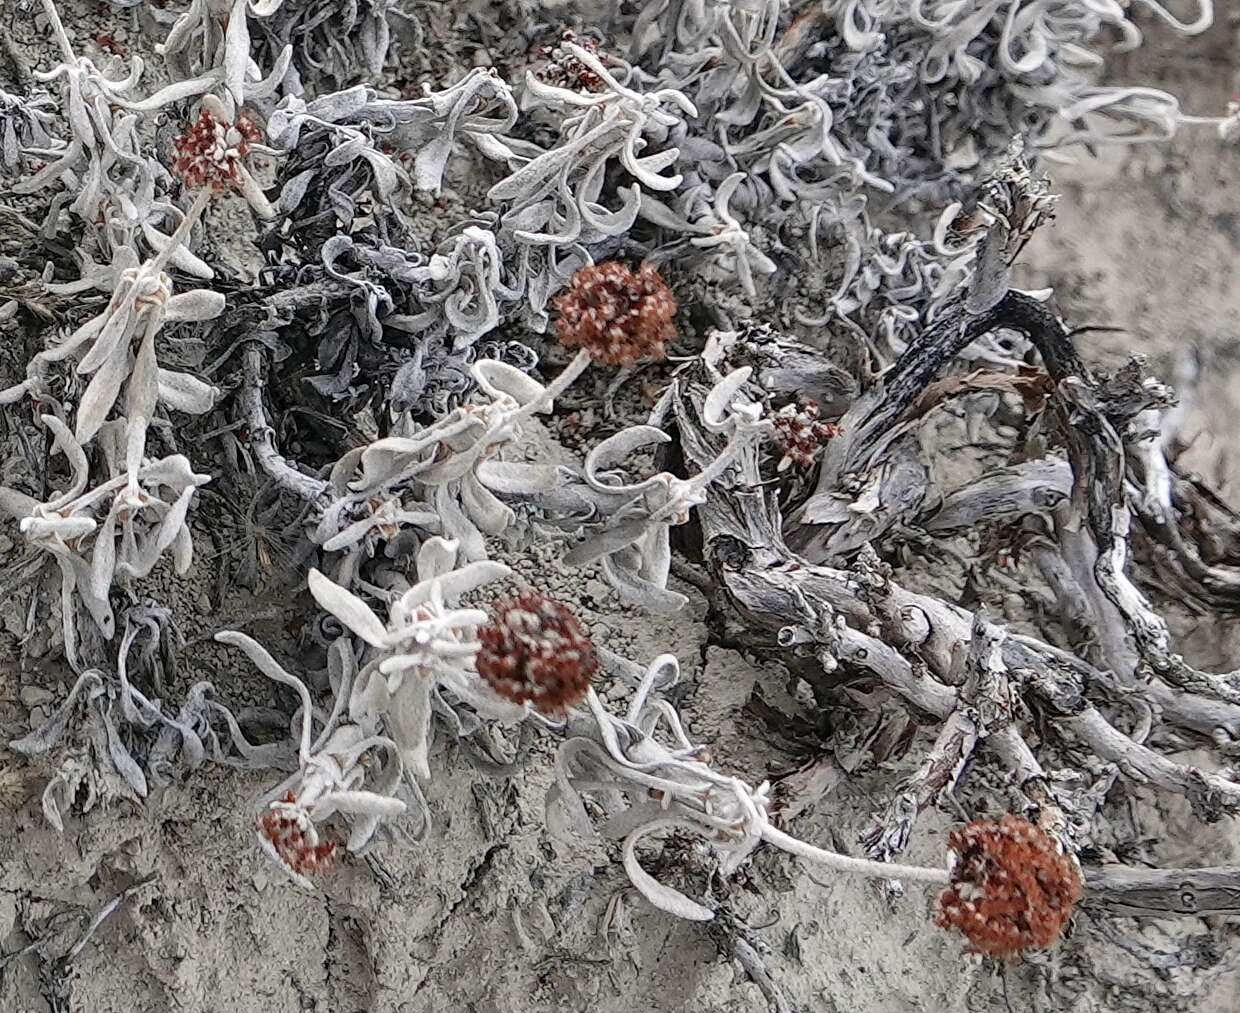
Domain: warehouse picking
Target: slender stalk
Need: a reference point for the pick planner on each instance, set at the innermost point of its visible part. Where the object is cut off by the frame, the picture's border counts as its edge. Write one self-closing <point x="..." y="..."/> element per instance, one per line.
<point x="743" y="436"/>
<point x="58" y="29"/>
<point x="581" y="362"/>
<point x="201" y="199"/>
<point x="856" y="866"/>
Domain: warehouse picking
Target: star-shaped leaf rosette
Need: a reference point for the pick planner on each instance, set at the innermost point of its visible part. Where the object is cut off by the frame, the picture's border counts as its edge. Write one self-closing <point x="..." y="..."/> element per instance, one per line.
<point x="426" y="647"/>
<point x="333" y="767"/>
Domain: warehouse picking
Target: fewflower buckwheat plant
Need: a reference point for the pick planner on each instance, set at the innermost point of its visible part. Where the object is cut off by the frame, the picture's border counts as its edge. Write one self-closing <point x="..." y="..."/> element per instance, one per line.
<point x="332" y="769"/>
<point x="564" y="70"/>
<point x="209" y="153"/>
<point x="427" y="645"/>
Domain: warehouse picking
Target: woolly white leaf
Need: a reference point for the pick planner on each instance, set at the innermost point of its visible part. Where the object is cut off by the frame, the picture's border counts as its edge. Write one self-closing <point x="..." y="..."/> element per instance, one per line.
<point x="436" y="557"/>
<point x="455" y="583"/>
<point x="516" y="477"/>
<point x="663" y="897"/>
<point x="716" y="410"/>
<point x="499" y="379"/>
<point x="348" y="608"/>
<point x="100" y="395"/>
<point x="185" y="393"/>
<point x="196" y="305"/>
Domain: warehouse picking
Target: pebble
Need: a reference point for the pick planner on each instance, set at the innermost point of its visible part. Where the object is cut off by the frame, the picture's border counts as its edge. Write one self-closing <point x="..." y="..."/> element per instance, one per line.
<point x="35" y="696"/>
<point x="37" y="717"/>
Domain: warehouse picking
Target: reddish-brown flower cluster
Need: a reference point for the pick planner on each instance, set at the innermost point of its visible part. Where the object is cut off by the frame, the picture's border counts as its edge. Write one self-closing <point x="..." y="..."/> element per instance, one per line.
<point x="209" y="153"/>
<point x="799" y="433"/>
<point x="564" y="70"/>
<point x="281" y="828"/>
<point x="1011" y="889"/>
<point x="535" y="651"/>
<point x="617" y="314"/>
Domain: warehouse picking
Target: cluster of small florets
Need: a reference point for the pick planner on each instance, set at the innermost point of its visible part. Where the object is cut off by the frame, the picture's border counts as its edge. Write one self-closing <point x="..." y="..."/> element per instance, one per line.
<point x="1012" y="888"/>
<point x="617" y="314"/>
<point x="800" y="434"/>
<point x="564" y="70"/>
<point x="534" y="651"/>
<point x="209" y="153"/>
<point x="283" y="829"/>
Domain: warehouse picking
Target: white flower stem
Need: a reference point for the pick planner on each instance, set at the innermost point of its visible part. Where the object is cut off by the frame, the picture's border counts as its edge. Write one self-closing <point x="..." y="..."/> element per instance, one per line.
<point x="580" y="363"/>
<point x="58" y="29"/>
<point x="741" y="438"/>
<point x="856" y="866"/>
<point x="201" y="199"/>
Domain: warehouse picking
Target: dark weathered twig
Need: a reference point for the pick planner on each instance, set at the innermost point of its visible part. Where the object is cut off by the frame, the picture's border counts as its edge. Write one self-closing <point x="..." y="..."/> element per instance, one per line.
<point x="864" y="618"/>
<point x="1163" y="893"/>
<point x="261" y="435"/>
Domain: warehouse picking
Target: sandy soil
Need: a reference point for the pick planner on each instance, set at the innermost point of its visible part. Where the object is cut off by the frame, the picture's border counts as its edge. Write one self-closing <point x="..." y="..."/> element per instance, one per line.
<point x="492" y="911"/>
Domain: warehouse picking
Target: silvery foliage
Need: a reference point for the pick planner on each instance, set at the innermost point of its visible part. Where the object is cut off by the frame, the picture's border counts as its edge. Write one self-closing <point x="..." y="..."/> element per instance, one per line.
<point x="455" y="293"/>
<point x="447" y="478"/>
<point x="144" y="503"/>
<point x="118" y="346"/>
<point x="554" y="197"/>
<point x="381" y="319"/>
<point x="334" y="762"/>
<point x="119" y="529"/>
<point x="897" y="104"/>
<point x="422" y="657"/>
<point x="115" y="186"/>
<point x="211" y="41"/>
<point x="634" y="545"/>
<point x="647" y="776"/>
<point x="143" y="747"/>
<point x="552" y="205"/>
<point x="102" y="163"/>
<point x="1010" y="68"/>
<point x="81" y="779"/>
<point x="340" y="40"/>
<point x="397" y="298"/>
<point x="24" y="123"/>
<point x="475" y="110"/>
<point x="620" y="759"/>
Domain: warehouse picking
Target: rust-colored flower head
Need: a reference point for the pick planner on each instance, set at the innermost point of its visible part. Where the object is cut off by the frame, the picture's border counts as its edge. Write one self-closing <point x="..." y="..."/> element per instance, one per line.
<point x="209" y="153"/>
<point x="534" y="650"/>
<point x="1011" y="888"/>
<point x="565" y="70"/>
<point x="293" y="842"/>
<point x="617" y="314"/>
<point x="799" y="433"/>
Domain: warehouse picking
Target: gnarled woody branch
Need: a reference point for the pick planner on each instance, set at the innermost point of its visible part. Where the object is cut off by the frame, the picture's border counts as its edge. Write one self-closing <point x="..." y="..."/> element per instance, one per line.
<point x="262" y="441"/>
<point x="800" y="602"/>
